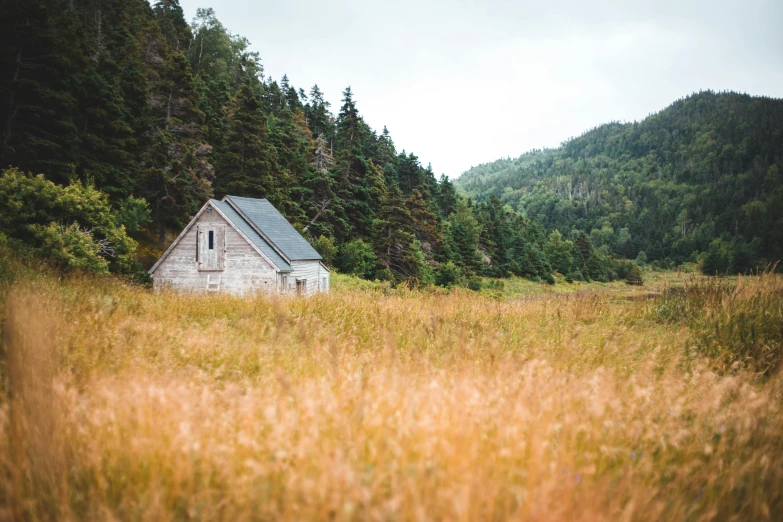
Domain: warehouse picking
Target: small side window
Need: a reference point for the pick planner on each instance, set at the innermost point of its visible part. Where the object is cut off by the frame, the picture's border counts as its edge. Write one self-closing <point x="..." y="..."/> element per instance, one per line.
<point x="212" y="240"/>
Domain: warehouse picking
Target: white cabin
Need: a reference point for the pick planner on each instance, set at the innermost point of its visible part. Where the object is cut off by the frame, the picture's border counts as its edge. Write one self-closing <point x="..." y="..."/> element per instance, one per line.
<point x="241" y="245"/>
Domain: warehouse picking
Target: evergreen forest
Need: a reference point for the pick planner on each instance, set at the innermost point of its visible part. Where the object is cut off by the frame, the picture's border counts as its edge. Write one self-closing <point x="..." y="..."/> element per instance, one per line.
<point x="119" y="119"/>
<point x="701" y="181"/>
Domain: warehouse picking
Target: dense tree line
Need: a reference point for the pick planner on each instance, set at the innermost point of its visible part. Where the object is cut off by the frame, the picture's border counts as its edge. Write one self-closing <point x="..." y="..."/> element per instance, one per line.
<point x="124" y="104"/>
<point x="700" y="181"/>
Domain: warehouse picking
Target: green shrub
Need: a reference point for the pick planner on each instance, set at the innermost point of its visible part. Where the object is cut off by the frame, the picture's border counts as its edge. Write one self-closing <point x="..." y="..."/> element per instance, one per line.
<point x="357" y="258"/>
<point x="447" y="274"/>
<point x="325" y="246"/>
<point x="634" y="276"/>
<point x="73" y="227"/>
<point x="473" y="283"/>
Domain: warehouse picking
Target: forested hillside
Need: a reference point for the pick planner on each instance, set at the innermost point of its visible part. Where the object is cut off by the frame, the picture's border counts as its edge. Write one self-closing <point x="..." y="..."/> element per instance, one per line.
<point x="120" y="119"/>
<point x="700" y="180"/>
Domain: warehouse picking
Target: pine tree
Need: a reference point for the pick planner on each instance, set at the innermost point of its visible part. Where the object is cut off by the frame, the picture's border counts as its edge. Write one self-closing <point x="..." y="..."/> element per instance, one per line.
<point x="290" y="95"/>
<point x="317" y="115"/>
<point x="172" y="24"/>
<point x="463" y="233"/>
<point x="394" y="236"/>
<point x="357" y="185"/>
<point x="446" y="196"/>
<point x="247" y="165"/>
<point x="591" y="267"/>
<point x="408" y="173"/>
<point x="43" y="54"/>
<point x="385" y="153"/>
<point x="496" y="237"/>
<point x="425" y="225"/>
<point x="113" y="96"/>
<point x="176" y="175"/>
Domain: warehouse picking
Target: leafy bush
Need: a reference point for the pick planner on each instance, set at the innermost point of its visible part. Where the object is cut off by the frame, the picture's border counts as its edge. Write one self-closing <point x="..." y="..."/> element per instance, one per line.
<point x="496" y="285"/>
<point x="473" y="283"/>
<point x="325" y="246"/>
<point x="634" y="276"/>
<point x="447" y="274"/>
<point x="74" y="227"/>
<point x="357" y="258"/>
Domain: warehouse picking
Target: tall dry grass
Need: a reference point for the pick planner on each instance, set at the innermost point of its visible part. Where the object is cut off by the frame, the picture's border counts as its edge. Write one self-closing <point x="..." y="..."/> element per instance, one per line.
<point x="734" y="324"/>
<point x="127" y="405"/>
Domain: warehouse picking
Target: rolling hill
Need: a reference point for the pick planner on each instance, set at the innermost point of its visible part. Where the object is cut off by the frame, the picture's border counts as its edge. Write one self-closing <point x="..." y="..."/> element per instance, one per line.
<point x="699" y="180"/>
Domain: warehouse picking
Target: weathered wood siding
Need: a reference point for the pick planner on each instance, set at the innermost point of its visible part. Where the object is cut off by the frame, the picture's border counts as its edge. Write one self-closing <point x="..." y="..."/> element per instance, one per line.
<point x="313" y="272"/>
<point x="244" y="270"/>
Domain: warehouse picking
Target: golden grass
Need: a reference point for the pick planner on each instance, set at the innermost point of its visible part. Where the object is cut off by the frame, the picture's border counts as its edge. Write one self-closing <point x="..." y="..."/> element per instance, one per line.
<point x="121" y="404"/>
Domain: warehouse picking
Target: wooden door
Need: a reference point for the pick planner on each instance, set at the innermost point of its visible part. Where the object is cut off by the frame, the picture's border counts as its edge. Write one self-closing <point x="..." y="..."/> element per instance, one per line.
<point x="211" y="247"/>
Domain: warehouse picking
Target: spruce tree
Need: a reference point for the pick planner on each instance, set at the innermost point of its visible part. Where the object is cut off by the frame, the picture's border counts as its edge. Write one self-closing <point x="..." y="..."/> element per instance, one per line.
<point x="356" y="183"/>
<point x="394" y="237"/>
<point x="176" y="174"/>
<point x="43" y="54"/>
<point x="496" y="237"/>
<point x="317" y="116"/>
<point x="464" y="232"/>
<point x="247" y="164"/>
<point x="425" y="225"/>
<point x="172" y="24"/>
<point x="446" y="196"/>
<point x="590" y="265"/>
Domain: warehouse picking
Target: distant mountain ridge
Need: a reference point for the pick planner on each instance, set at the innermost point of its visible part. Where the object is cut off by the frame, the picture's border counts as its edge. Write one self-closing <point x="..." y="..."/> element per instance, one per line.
<point x="699" y="180"/>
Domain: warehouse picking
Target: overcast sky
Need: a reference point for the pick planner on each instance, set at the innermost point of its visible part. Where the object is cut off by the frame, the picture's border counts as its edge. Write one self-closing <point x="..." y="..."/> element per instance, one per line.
<point x="464" y="83"/>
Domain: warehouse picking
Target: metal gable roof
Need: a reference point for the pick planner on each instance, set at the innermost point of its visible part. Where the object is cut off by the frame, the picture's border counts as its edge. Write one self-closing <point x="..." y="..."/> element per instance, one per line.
<point x="276" y="228"/>
<point x="252" y="235"/>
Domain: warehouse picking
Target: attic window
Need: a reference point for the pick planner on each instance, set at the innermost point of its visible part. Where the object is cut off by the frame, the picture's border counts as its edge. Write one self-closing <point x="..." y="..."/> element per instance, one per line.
<point x="211" y="239"/>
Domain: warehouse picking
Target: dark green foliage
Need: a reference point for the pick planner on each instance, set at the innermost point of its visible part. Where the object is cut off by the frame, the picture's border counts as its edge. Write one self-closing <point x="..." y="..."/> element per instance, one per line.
<point x="447" y="274"/>
<point x="246" y="165"/>
<point x="176" y="175"/>
<point x="127" y="98"/>
<point x="357" y="258"/>
<point x="73" y="227"/>
<point x="394" y="235"/>
<point x="707" y="166"/>
<point x="588" y="261"/>
<point x="496" y="237"/>
<point x="463" y="232"/>
<point x="473" y="283"/>
<point x="446" y="196"/>
<point x="325" y="246"/>
<point x="634" y="276"/>
<point x="171" y="22"/>
<point x="43" y="52"/>
<point x="425" y="225"/>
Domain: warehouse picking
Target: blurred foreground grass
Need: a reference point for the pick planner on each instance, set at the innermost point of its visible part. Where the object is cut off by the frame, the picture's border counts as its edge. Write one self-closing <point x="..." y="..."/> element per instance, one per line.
<point x="379" y="404"/>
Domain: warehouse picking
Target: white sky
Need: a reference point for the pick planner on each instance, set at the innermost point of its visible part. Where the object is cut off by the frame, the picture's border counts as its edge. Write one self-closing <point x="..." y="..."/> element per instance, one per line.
<point x="467" y="82"/>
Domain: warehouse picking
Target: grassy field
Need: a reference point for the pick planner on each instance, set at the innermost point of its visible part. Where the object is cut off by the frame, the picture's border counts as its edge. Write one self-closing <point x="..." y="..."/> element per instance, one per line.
<point x="583" y="403"/>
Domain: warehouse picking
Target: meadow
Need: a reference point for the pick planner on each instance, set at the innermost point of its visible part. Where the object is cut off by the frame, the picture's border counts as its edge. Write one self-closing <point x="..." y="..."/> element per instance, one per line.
<point x="372" y="403"/>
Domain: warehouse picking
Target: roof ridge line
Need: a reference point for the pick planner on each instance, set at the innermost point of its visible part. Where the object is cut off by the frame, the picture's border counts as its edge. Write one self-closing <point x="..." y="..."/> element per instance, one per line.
<point x="255" y="227"/>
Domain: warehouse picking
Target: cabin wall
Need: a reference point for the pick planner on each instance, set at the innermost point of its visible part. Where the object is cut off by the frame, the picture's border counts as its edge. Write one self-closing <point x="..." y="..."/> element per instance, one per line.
<point x="244" y="271"/>
<point x="313" y="271"/>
